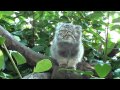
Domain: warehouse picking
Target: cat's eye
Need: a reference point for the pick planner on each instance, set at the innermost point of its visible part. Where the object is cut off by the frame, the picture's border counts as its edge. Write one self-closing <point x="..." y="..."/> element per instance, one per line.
<point x="78" y="31"/>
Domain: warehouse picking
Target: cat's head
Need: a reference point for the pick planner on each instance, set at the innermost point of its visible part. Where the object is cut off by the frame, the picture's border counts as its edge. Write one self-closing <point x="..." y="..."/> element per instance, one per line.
<point x="67" y="32"/>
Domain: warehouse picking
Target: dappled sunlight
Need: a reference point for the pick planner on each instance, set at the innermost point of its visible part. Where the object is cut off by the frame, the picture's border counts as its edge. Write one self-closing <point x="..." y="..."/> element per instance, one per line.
<point x="118" y="54"/>
<point x="27" y="26"/>
<point x="17" y="20"/>
<point x="114" y="36"/>
<point x="116" y="15"/>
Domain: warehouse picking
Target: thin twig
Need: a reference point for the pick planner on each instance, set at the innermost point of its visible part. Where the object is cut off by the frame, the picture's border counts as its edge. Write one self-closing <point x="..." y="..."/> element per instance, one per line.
<point x="106" y="37"/>
<point x="9" y="55"/>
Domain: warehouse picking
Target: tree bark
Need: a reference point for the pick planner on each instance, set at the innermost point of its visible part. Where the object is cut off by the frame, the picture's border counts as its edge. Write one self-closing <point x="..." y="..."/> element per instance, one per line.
<point x="31" y="56"/>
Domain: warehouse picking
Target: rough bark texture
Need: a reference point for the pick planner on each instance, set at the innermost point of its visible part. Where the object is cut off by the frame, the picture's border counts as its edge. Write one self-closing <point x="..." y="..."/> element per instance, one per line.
<point x="37" y="76"/>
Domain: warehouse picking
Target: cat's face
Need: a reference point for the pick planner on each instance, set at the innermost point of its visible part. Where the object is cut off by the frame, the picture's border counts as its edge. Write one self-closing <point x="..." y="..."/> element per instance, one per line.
<point x="67" y="32"/>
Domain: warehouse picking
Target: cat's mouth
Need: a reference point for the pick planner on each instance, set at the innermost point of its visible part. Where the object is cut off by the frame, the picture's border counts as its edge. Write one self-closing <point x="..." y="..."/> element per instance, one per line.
<point x="69" y="38"/>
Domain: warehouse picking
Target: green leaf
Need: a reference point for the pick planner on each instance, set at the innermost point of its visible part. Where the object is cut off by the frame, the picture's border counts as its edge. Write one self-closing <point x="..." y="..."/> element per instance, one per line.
<point x="43" y="65"/>
<point x="20" y="59"/>
<point x="96" y="15"/>
<point x="87" y="73"/>
<point x="1" y="59"/>
<point x="5" y="76"/>
<point x="116" y="20"/>
<point x="115" y="27"/>
<point x="102" y="70"/>
<point x="2" y="40"/>
<point x="110" y="48"/>
<point x="7" y="13"/>
<point x="37" y="15"/>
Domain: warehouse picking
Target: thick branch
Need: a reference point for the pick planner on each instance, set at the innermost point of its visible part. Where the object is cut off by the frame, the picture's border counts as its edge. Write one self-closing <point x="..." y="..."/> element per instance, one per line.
<point x="31" y="56"/>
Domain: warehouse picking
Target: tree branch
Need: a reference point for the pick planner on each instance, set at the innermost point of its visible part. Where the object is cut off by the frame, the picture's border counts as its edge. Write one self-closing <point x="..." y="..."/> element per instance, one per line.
<point x="31" y="56"/>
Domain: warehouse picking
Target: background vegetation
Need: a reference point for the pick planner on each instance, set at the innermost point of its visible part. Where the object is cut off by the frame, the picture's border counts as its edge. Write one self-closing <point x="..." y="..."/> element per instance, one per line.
<point x="35" y="29"/>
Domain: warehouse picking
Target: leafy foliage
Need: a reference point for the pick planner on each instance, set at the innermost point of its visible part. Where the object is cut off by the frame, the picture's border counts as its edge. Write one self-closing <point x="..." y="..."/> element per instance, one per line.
<point x="35" y="29"/>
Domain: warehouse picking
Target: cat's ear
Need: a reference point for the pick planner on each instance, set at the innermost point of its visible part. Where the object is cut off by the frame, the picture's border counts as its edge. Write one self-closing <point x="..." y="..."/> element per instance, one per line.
<point x="78" y="27"/>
